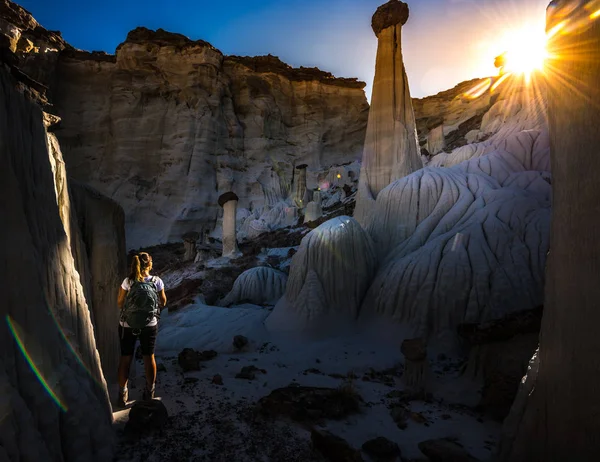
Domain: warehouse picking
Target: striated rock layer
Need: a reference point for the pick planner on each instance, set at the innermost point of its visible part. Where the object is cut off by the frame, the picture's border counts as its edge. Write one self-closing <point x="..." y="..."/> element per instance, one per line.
<point x="54" y="403"/>
<point x="169" y="124"/>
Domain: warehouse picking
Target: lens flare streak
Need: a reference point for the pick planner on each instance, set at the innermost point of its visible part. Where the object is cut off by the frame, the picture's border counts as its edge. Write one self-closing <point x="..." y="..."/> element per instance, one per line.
<point x="18" y="339"/>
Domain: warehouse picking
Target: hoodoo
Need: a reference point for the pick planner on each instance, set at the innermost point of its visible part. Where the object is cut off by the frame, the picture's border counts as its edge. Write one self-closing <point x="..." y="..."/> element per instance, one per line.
<point x="229" y="202"/>
<point x="391" y="148"/>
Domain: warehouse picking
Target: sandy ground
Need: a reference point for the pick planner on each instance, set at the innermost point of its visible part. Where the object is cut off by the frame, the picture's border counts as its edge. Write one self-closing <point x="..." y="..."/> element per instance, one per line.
<point x="211" y="422"/>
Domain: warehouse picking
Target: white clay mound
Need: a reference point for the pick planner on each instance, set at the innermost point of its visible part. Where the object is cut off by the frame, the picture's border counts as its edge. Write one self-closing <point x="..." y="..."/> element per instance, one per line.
<point x="328" y="278"/>
<point x="463" y="244"/>
<point x="261" y="286"/>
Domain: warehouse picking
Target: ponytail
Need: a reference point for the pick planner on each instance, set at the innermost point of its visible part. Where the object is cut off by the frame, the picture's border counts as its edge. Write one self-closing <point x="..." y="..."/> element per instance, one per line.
<point x="139" y="264"/>
<point x="135" y="273"/>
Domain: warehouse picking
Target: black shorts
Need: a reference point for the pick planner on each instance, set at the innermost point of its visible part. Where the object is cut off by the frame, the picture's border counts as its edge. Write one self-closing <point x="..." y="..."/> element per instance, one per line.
<point x="147" y="338"/>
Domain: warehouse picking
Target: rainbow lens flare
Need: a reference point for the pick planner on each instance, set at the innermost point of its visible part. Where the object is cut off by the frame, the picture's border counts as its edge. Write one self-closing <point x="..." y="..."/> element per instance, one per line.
<point x="15" y="331"/>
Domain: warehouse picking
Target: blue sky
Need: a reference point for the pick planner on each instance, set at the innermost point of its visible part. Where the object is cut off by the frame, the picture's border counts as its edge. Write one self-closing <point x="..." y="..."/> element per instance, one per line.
<point x="444" y="41"/>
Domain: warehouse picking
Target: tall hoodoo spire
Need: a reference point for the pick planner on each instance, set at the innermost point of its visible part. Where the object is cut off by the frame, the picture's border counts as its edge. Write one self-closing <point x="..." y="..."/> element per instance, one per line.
<point x="391" y="148"/>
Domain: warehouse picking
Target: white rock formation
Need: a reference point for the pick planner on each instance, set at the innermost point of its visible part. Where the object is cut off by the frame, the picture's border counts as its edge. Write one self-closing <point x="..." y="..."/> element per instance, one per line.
<point x="229" y="203"/>
<point x="328" y="277"/>
<point x="46" y="321"/>
<point x="261" y="286"/>
<point x="167" y="122"/>
<point x="463" y="244"/>
<point x="391" y="149"/>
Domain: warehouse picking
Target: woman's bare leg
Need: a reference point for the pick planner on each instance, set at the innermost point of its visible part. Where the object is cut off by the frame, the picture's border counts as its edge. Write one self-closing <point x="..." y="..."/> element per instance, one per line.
<point x="123" y="374"/>
<point x="150" y="368"/>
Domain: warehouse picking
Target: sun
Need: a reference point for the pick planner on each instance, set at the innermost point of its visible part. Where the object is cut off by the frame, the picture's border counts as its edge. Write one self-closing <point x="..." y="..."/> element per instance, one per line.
<point x="523" y="50"/>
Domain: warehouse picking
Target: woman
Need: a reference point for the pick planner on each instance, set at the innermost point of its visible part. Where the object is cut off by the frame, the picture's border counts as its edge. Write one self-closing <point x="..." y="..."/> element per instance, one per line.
<point x="140" y="272"/>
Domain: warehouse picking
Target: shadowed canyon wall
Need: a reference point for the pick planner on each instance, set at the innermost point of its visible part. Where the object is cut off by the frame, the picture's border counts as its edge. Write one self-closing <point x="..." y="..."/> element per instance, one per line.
<point x="54" y="403"/>
<point x="555" y="417"/>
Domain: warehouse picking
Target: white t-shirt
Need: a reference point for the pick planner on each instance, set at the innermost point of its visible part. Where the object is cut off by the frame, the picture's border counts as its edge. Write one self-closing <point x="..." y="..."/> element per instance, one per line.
<point x="160" y="285"/>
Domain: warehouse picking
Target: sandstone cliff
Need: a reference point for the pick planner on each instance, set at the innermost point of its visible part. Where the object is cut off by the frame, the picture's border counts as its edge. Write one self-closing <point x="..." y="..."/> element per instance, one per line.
<point x="168" y="124"/>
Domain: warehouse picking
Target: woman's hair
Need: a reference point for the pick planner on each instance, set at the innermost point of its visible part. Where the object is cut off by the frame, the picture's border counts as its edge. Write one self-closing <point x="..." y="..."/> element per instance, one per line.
<point x="140" y="262"/>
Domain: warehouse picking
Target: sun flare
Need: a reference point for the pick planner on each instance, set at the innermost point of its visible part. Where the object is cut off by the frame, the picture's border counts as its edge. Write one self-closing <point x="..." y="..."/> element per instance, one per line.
<point x="524" y="51"/>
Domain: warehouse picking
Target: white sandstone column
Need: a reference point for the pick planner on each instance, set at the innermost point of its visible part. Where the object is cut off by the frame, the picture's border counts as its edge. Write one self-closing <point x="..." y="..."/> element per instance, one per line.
<point x="229" y="202"/>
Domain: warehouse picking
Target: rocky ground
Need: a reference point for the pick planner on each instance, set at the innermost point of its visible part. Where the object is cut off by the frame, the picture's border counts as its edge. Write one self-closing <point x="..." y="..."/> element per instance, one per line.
<point x="290" y="399"/>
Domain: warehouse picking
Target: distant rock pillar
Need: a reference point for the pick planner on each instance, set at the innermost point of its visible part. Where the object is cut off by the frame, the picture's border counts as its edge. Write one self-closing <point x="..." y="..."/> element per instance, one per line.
<point x="229" y="202"/>
<point x="317" y="197"/>
<point x="189" y="241"/>
<point x="300" y="189"/>
<point x="416" y="367"/>
<point x="391" y="148"/>
<point x="313" y="212"/>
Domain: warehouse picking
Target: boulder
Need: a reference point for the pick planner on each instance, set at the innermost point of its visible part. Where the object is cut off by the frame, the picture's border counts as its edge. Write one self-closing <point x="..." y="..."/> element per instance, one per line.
<point x="334" y="448"/>
<point x="382" y="449"/>
<point x="240" y="342"/>
<point x="147" y="416"/>
<point x="444" y="450"/>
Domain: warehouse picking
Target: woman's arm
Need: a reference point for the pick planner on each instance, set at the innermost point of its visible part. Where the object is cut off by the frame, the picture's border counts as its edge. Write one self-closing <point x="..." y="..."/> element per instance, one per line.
<point x="121" y="298"/>
<point x="163" y="298"/>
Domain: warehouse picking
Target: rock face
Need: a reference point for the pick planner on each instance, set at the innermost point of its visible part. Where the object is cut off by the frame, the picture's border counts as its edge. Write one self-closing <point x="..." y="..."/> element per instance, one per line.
<point x="48" y="358"/>
<point x="169" y="124"/>
<point x="391" y="148"/>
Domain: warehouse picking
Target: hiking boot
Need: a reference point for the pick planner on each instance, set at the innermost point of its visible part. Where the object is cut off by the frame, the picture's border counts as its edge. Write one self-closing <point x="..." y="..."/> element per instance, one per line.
<point x="148" y="393"/>
<point x="123" y="396"/>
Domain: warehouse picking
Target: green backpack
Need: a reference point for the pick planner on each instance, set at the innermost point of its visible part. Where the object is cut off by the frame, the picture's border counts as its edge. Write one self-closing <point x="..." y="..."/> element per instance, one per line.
<point x="141" y="304"/>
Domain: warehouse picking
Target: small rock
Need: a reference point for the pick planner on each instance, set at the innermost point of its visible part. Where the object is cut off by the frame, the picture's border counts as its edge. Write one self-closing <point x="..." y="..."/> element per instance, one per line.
<point x="414" y="349"/>
<point x="418" y="417"/>
<point x="189" y="360"/>
<point x="239" y="342"/>
<point x="381" y="449"/>
<point x="400" y="416"/>
<point x="444" y="450"/>
<point x="208" y="355"/>
<point x="248" y="372"/>
<point x="217" y="380"/>
<point x="160" y="367"/>
<point x="333" y="447"/>
<point x="147" y="416"/>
